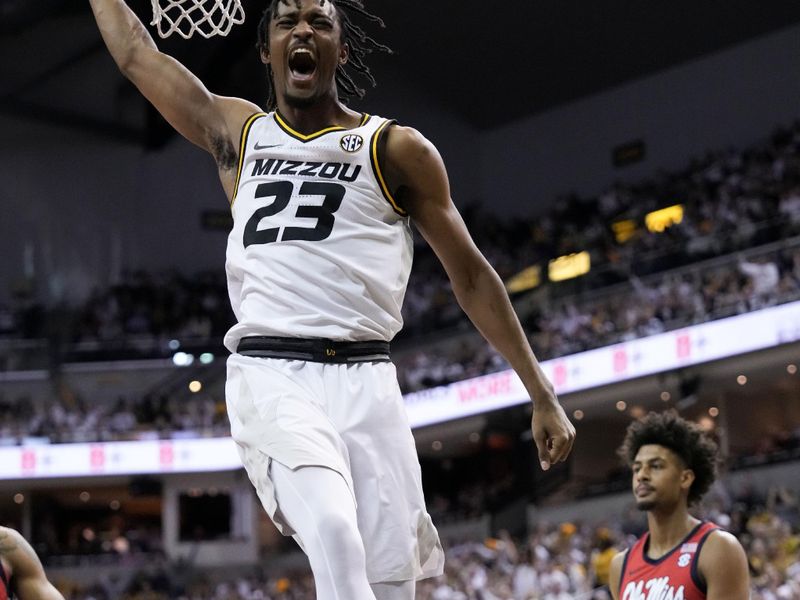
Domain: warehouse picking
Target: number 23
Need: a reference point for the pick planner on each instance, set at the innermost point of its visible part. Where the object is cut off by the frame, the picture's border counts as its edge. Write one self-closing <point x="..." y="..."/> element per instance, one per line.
<point x="282" y="191"/>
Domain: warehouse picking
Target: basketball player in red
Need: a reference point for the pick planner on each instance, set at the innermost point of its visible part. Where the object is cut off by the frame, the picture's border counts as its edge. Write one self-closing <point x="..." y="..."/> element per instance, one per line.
<point x="680" y="557"/>
<point x="21" y="572"/>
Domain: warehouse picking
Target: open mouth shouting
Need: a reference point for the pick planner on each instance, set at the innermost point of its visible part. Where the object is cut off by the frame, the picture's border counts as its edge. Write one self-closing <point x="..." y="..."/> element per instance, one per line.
<point x="302" y="64"/>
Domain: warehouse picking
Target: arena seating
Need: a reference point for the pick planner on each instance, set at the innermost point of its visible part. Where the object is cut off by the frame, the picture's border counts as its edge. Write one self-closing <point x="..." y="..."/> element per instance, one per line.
<point x="568" y="560"/>
<point x="736" y="250"/>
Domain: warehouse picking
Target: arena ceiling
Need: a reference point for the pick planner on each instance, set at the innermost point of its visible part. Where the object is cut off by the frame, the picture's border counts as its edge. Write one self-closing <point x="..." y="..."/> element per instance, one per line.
<point x="486" y="62"/>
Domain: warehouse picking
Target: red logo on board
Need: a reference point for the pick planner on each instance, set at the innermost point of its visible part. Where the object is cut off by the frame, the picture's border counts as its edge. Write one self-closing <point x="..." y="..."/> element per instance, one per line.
<point x="560" y="374"/>
<point x="683" y="345"/>
<point x="28" y="460"/>
<point x="620" y="361"/>
<point x="97" y="457"/>
<point x="166" y="455"/>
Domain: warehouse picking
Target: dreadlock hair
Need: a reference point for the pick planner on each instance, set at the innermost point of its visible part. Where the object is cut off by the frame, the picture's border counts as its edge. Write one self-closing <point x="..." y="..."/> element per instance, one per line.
<point x="697" y="450"/>
<point x="359" y="43"/>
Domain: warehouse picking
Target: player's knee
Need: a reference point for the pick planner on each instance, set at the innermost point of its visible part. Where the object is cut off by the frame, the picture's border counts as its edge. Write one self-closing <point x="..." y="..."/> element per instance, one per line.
<point x="341" y="533"/>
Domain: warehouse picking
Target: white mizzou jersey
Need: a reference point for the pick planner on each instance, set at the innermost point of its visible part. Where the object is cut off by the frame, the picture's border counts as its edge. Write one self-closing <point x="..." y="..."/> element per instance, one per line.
<point x="319" y="248"/>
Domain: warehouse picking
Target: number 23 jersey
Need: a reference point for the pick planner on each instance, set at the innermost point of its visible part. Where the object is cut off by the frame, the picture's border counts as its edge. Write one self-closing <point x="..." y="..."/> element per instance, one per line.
<point x="319" y="247"/>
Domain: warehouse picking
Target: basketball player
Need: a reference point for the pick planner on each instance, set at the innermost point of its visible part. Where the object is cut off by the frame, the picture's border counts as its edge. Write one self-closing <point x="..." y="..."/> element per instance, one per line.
<point x="21" y="572"/>
<point x="317" y="262"/>
<point x="680" y="557"/>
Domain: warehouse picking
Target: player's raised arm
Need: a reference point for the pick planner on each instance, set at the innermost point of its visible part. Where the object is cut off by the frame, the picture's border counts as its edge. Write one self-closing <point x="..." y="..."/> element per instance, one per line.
<point x="212" y="122"/>
<point x="27" y="572"/>
<point x="416" y="173"/>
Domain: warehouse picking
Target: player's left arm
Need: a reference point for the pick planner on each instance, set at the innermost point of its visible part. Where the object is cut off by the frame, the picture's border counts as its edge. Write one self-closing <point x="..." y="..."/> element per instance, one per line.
<point x="723" y="566"/>
<point x="30" y="581"/>
<point x="416" y="174"/>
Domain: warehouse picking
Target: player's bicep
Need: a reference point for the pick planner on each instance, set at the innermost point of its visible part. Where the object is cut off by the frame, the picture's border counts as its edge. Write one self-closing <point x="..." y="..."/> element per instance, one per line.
<point x="723" y="566"/>
<point x="183" y="100"/>
<point x="424" y="190"/>
<point x="445" y="231"/>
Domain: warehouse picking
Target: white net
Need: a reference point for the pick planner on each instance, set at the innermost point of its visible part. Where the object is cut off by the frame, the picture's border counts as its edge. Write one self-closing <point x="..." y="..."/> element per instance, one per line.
<point x="205" y="17"/>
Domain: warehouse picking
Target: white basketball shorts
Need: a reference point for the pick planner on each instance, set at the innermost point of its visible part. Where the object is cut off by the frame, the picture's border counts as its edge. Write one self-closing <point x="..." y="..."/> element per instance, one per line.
<point x="349" y="418"/>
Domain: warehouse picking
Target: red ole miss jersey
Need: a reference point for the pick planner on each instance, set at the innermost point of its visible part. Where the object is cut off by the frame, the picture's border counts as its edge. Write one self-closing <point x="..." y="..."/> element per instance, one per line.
<point x="674" y="576"/>
<point x="5" y="592"/>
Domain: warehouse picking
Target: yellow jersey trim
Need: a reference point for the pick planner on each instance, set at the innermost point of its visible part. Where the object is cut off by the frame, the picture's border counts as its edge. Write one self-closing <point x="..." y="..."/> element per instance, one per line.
<point x="312" y="136"/>
<point x="242" y="147"/>
<point x="376" y="168"/>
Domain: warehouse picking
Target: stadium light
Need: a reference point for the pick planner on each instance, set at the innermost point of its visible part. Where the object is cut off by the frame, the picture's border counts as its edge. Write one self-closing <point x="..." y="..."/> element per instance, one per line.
<point x="658" y="220"/>
<point x="182" y="359"/>
<point x="624" y="230"/>
<point x="569" y="266"/>
<point x="527" y="279"/>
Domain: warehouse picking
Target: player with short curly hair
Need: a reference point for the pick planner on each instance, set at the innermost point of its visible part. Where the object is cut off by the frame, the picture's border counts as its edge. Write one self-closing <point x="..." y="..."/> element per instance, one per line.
<point x="673" y="463"/>
<point x="697" y="450"/>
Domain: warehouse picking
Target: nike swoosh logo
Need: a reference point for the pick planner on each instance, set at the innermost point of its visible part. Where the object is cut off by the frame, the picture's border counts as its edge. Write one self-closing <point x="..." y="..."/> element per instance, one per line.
<point x="264" y="147"/>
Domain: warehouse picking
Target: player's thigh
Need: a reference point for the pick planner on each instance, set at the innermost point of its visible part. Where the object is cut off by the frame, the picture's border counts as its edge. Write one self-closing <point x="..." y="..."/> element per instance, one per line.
<point x="399" y="537"/>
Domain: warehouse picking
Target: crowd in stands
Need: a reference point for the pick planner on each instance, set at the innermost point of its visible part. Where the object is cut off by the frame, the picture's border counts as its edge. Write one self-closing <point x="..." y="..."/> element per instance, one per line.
<point x="733" y="200"/>
<point x="570" y="560"/>
<point x="553" y="561"/>
<point x="637" y="308"/>
<point x="66" y="417"/>
<point x="162" y="305"/>
<point x="662" y="304"/>
<point x="739" y="205"/>
<point x="465" y="491"/>
<point x="742" y="217"/>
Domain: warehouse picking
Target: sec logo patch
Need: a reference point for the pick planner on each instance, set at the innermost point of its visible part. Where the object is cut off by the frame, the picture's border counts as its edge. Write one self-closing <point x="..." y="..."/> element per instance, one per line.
<point x="351" y="142"/>
<point x="684" y="560"/>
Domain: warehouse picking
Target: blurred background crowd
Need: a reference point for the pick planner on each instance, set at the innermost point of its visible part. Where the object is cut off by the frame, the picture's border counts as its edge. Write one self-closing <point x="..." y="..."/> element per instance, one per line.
<point x="553" y="561"/>
<point x="106" y="335"/>
<point x="736" y="249"/>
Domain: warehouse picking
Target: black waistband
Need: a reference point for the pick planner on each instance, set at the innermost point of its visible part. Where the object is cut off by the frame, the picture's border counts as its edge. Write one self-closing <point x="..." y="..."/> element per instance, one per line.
<point x="314" y="349"/>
